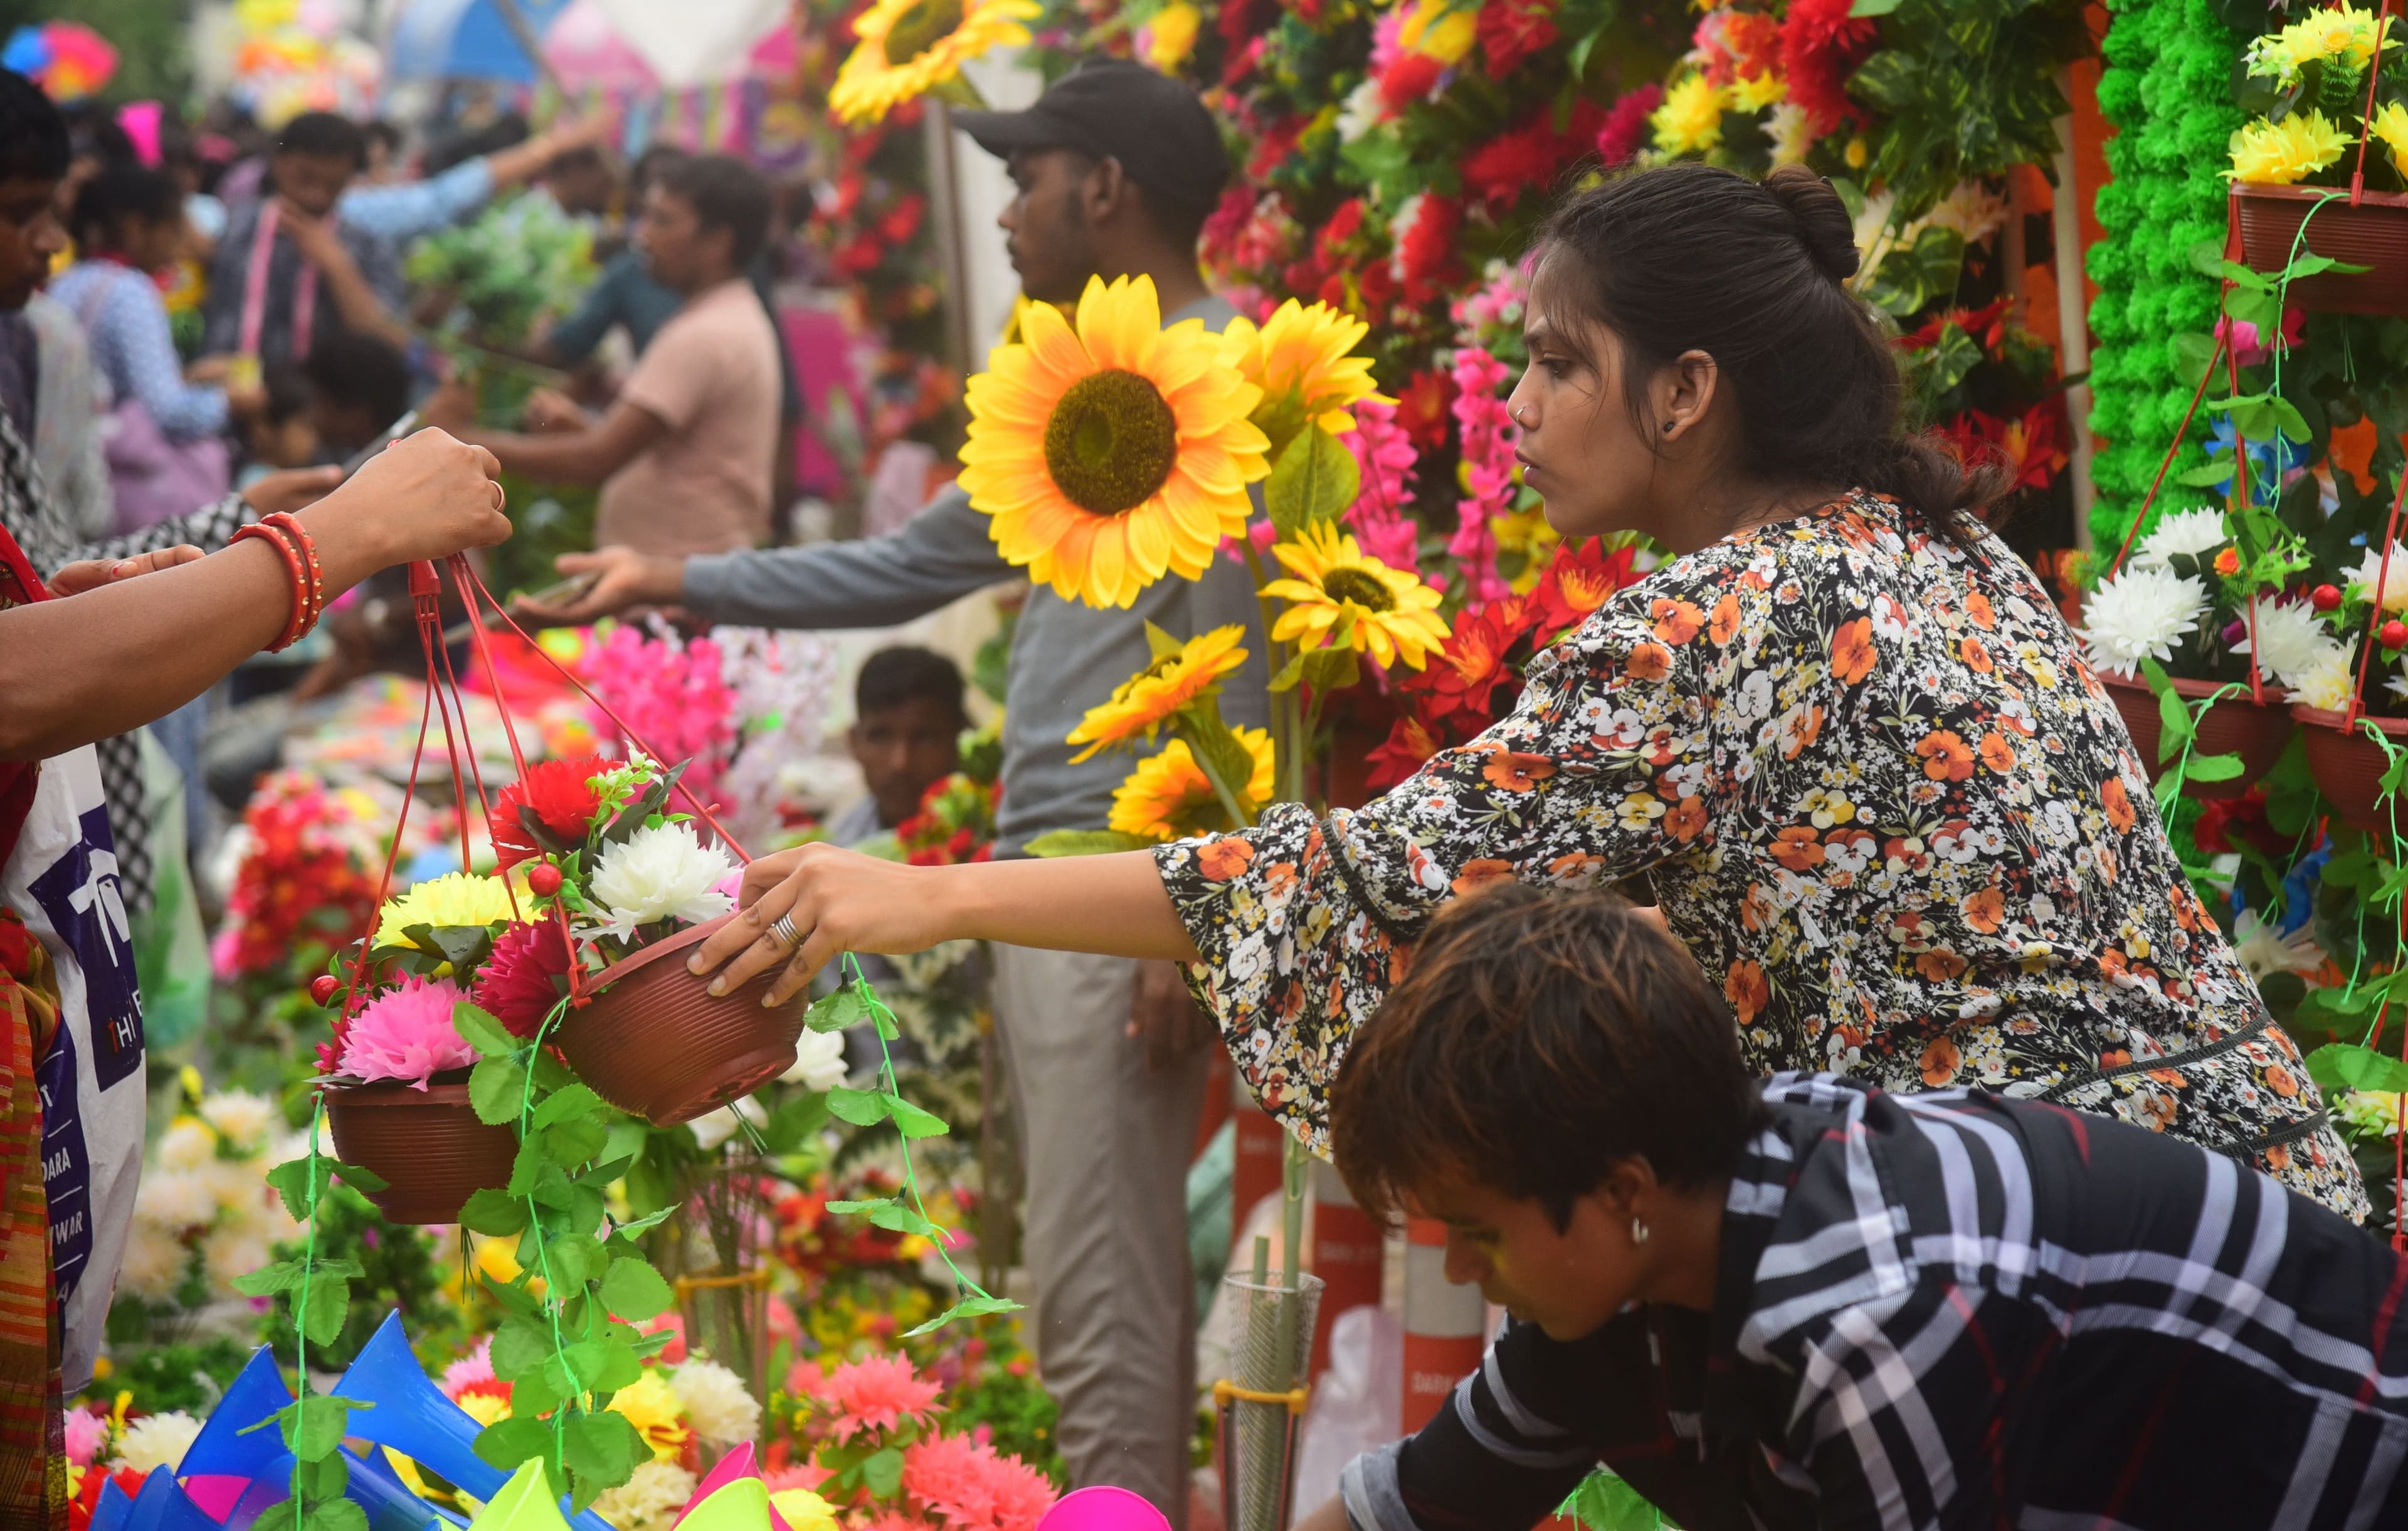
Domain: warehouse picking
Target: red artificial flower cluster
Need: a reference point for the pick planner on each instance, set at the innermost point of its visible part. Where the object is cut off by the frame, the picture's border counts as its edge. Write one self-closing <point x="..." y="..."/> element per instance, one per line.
<point x="1427" y="266"/>
<point x="1509" y="31"/>
<point x="2027" y="447"/>
<point x="956" y="825"/>
<point x="298" y="882"/>
<point x="525" y="976"/>
<point x="1424" y="408"/>
<point x="1532" y="156"/>
<point x="1477" y="676"/>
<point x="1737" y="45"/>
<point x="815" y="1240"/>
<point x="1625" y="131"/>
<point x="557" y="794"/>
<point x="1987" y="325"/>
<point x="1822" y="42"/>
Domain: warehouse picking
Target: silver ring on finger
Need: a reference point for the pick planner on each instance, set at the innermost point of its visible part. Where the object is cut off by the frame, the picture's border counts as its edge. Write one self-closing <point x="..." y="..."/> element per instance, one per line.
<point x="784" y="928"/>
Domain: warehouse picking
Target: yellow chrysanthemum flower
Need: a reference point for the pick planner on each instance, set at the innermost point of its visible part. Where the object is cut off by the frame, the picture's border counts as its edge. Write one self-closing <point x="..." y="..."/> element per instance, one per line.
<point x="1167" y="39"/>
<point x="1756" y="92"/>
<point x="2283" y="153"/>
<point x="1439" y="29"/>
<point x="1169" y="797"/>
<point x="652" y="1406"/>
<point x="484" y="1407"/>
<point x="1303" y="361"/>
<point x="455" y="898"/>
<point x="2389" y="128"/>
<point x="803" y="1510"/>
<point x="1145" y="701"/>
<point x="1691" y="120"/>
<point x="1395" y="613"/>
<point x="1112" y="455"/>
<point x="909" y="47"/>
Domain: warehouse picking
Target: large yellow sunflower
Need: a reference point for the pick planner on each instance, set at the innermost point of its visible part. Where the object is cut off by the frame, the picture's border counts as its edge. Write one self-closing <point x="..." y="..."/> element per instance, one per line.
<point x="1302" y="360"/>
<point x="909" y="47"/>
<point x="2284" y="153"/>
<point x="1169" y="797"/>
<point x="1395" y="613"/>
<point x="1115" y="453"/>
<point x="453" y="899"/>
<point x="1145" y="701"/>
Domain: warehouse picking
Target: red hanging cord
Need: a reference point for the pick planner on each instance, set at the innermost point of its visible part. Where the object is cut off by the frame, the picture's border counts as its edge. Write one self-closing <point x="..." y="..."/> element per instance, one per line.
<point x="2365" y="118"/>
<point x="2141" y="516"/>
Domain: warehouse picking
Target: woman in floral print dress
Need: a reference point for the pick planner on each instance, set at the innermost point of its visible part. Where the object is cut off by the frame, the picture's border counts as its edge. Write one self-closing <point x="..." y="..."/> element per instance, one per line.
<point x="1844" y="732"/>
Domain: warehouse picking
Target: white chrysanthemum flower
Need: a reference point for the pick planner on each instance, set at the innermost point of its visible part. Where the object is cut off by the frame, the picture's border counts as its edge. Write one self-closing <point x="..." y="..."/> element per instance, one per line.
<point x="819" y="1061"/>
<point x="659" y="873"/>
<point x="1792" y="133"/>
<point x="2327" y="683"/>
<point x="187" y="1144"/>
<point x="236" y="1187"/>
<point x="1972" y="210"/>
<point x="649" y="1500"/>
<point x="2291" y="640"/>
<point x="229" y="1253"/>
<point x="1362" y="112"/>
<point x="2191" y="533"/>
<point x="2395" y="584"/>
<point x="717" y="1404"/>
<point x="2140" y="614"/>
<point x="712" y="1128"/>
<point x="2266" y="950"/>
<point x="156" y="1440"/>
<point x="243" y="1119"/>
<point x="176" y="1199"/>
<point x="155" y="1261"/>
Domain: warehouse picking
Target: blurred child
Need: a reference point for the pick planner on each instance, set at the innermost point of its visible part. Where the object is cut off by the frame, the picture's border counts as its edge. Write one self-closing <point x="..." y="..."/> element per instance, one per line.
<point x="360" y="384"/>
<point x="282" y="434"/>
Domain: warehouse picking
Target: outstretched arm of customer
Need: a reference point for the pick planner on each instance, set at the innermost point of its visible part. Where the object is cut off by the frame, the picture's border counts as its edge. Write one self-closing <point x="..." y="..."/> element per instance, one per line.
<point x="584" y="456"/>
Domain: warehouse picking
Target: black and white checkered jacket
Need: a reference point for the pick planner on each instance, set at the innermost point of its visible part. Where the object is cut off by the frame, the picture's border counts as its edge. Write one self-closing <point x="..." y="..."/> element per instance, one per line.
<point x="1957" y="1310"/>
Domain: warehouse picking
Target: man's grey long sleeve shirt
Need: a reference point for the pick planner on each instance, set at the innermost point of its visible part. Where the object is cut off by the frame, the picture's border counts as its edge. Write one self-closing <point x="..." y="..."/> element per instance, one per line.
<point x="1065" y="657"/>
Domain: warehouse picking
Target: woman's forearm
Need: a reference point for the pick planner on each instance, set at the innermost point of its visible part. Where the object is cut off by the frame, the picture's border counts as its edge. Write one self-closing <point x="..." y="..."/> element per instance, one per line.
<point x="1113" y="904"/>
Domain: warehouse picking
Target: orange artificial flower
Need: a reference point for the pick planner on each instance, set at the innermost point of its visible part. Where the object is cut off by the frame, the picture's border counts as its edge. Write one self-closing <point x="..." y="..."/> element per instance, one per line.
<point x="1852" y="650"/>
<point x="1676" y="622"/>
<point x="2227" y="563"/>
<point x="1945" y="758"/>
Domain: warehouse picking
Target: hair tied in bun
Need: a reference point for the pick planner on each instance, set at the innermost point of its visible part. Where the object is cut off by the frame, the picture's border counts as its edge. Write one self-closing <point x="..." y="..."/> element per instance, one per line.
<point x="1824" y="226"/>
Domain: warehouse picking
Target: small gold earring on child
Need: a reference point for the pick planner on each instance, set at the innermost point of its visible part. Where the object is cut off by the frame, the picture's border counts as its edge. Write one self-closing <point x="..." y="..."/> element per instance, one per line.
<point x="1638" y="1231"/>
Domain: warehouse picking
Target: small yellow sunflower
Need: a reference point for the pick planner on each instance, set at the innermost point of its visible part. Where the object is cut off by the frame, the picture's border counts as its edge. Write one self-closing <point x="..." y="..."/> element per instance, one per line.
<point x="1395" y="613"/>
<point x="1443" y="30"/>
<point x="653" y="1407"/>
<point x="1113" y="454"/>
<point x="1145" y="701"/>
<point x="2390" y="129"/>
<point x="909" y="47"/>
<point x="1754" y="92"/>
<point x="2283" y="153"/>
<point x="1303" y="361"/>
<point x="1169" y="797"/>
<point x="1690" y="120"/>
<point x="455" y="898"/>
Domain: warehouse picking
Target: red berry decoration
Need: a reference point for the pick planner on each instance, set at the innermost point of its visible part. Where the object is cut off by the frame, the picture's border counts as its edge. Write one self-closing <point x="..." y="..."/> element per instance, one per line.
<point x="2325" y="598"/>
<point x="2394" y="634"/>
<point x="322" y="987"/>
<point x="543" y="879"/>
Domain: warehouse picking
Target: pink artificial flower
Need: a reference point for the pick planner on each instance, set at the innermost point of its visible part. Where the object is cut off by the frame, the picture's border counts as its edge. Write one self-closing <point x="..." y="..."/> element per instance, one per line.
<point x="974" y="1487"/>
<point x="2249" y="348"/>
<point x="876" y="1394"/>
<point x="475" y="1367"/>
<point x="802" y="1474"/>
<point x="1487" y="435"/>
<point x="671" y="694"/>
<point x="406" y="1033"/>
<point x="1381" y="514"/>
<point x="782" y="1322"/>
<point x="87" y="1432"/>
<point x="672" y="1325"/>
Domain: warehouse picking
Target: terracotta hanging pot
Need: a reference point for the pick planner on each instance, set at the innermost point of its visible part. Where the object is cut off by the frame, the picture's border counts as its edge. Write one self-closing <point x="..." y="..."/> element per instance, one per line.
<point x="2373" y="234"/>
<point x="2348" y="766"/>
<point x="427" y="1144"/>
<point x="2255" y="731"/>
<point x="651" y="1042"/>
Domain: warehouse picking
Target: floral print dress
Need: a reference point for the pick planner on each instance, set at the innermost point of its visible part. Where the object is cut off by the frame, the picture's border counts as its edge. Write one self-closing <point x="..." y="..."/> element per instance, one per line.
<point x="1880" y="797"/>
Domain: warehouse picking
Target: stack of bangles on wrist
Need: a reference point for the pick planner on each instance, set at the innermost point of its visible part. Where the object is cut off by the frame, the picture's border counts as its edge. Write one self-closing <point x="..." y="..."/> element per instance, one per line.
<point x="284" y="533"/>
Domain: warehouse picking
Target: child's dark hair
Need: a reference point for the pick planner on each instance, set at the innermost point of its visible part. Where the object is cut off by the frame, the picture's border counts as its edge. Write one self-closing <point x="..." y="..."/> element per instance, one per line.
<point x="1688" y="257"/>
<point x="286" y="391"/>
<point x="892" y="678"/>
<point x="348" y="368"/>
<point x="1539" y="1039"/>
<point x="324" y="135"/>
<point x="120" y="192"/>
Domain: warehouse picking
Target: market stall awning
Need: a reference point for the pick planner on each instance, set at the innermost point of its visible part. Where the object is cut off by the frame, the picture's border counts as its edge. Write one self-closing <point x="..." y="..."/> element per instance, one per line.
<point x="464" y="39"/>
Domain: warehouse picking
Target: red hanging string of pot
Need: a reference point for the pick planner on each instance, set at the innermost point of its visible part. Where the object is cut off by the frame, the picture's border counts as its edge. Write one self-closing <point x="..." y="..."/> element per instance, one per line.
<point x="2365" y="117"/>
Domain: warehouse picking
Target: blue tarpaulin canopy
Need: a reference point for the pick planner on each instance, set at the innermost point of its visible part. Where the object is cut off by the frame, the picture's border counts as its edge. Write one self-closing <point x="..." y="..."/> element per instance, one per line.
<point x="464" y="39"/>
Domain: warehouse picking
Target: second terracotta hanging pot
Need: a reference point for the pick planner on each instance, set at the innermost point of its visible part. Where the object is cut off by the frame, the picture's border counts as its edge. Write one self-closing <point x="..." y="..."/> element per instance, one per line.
<point x="654" y="1043"/>
<point x="428" y="1145"/>
<point x="2348" y="766"/>
<point x="2255" y="731"/>
<point x="2373" y="234"/>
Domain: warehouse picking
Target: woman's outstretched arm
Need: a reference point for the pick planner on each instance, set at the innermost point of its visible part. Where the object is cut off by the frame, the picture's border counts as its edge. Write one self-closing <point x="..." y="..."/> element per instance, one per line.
<point x="843" y="901"/>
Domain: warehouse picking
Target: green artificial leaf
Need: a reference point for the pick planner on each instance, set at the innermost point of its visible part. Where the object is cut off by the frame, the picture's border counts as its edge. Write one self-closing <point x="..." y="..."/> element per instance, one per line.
<point x="520" y="1346"/>
<point x="888" y="1212"/>
<point x="914" y="1122"/>
<point x="512" y="1296"/>
<point x="542" y="1390"/>
<point x="650" y="1220"/>
<point x="1604" y="1502"/>
<point x="292" y="1180"/>
<point x="603" y="1366"/>
<point x="491" y="1211"/>
<point x="1872" y="7"/>
<point x="570" y="1263"/>
<point x="576" y="1141"/>
<point x="527" y="1167"/>
<point x="1159" y="643"/>
<point x="352" y="1175"/>
<point x="313" y="1424"/>
<point x="465" y="947"/>
<point x="634" y="1290"/>
<point x="977" y="1305"/>
<point x="509" y="1444"/>
<point x="838" y="1011"/>
<point x="267" y="1282"/>
<point x="1315" y="479"/>
<point x="792" y="1125"/>
<point x="2341" y="1066"/>
<point x="334" y="1513"/>
<point x="862" y="1108"/>
<point x="329" y="1302"/>
<point x="600" y="1450"/>
<point x="2212" y="768"/>
<point x="567" y="1102"/>
<point x="1082" y="842"/>
<point x="496" y="1089"/>
<point x="1333" y="668"/>
<point x="883" y="1472"/>
<point x="325" y="1477"/>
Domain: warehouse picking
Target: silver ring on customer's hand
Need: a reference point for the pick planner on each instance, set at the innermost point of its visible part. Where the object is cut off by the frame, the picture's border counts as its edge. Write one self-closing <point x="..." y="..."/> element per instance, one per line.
<point x="784" y="928"/>
<point x="501" y="495"/>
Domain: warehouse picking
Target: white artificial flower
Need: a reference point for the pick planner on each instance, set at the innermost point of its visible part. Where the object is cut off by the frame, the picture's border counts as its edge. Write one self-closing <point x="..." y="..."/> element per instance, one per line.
<point x="648" y="1501"/>
<point x="2140" y="614"/>
<point x="234" y="1186"/>
<point x="243" y="1119"/>
<point x="2192" y="534"/>
<point x="712" y="1128"/>
<point x="2328" y="683"/>
<point x="1792" y="133"/>
<point x="2266" y="950"/>
<point x="2291" y="640"/>
<point x="716" y="1402"/>
<point x="2395" y="585"/>
<point x="1972" y="210"/>
<point x="176" y="1199"/>
<point x="156" y="1440"/>
<point x="819" y="1061"/>
<point x="187" y="1144"/>
<point x="1874" y="237"/>
<point x="2370" y="1110"/>
<point x="154" y="1263"/>
<point x="659" y="873"/>
<point x="229" y="1253"/>
<point x="1362" y="112"/>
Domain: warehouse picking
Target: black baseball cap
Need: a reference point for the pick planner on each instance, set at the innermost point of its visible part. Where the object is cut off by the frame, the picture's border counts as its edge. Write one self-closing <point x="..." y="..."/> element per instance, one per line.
<point x="1112" y="108"/>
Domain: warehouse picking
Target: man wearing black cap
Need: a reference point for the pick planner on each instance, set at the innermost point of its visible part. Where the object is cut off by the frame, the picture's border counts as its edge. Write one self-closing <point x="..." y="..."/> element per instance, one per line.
<point x="1116" y="168"/>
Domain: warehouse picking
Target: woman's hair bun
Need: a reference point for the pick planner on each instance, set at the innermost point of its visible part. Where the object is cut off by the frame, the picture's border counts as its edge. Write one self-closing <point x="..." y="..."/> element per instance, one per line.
<point x="1824" y="226"/>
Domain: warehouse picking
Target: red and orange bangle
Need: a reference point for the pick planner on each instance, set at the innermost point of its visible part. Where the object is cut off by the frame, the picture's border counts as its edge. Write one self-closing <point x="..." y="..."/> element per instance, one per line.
<point x="299" y="536"/>
<point x="300" y="557"/>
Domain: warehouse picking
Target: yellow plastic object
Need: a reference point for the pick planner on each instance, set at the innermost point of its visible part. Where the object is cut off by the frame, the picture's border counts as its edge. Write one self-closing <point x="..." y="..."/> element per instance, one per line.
<point x="525" y="1504"/>
<point x="743" y="1505"/>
